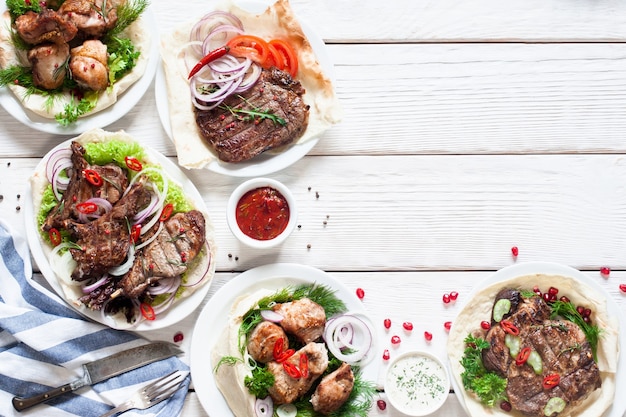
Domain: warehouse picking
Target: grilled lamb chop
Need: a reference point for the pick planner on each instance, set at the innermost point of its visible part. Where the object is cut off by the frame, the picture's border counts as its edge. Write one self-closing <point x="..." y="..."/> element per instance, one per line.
<point x="93" y="18"/>
<point x="287" y="389"/>
<point x="303" y="318"/>
<point x="48" y="64"/>
<point x="104" y="242"/>
<point x="89" y="65"/>
<point x="47" y="26"/>
<point x="238" y="136"/>
<point x="167" y="256"/>
<point x="563" y="348"/>
<point x="333" y="390"/>
<point x="262" y="340"/>
<point x="80" y="190"/>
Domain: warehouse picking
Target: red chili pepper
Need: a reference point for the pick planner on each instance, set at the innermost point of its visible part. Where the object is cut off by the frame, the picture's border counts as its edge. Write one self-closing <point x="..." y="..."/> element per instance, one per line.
<point x="285" y="355"/>
<point x="55" y="236"/>
<point x="551" y="381"/>
<point x="147" y="311"/>
<point x="87" y="208"/>
<point x="92" y="177"/>
<point x="304" y="365"/>
<point x="211" y="56"/>
<point x="292" y="370"/>
<point x="135" y="233"/>
<point x="278" y="348"/>
<point x="522" y="356"/>
<point x="509" y="327"/>
<point x="133" y="163"/>
<point x="167" y="212"/>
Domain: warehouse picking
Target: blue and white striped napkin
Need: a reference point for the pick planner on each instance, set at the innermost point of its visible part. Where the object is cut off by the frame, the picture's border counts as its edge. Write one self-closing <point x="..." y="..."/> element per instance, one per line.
<point x="44" y="342"/>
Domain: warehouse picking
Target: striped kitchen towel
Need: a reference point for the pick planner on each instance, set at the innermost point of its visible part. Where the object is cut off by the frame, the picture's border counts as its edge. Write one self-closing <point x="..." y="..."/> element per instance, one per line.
<point x="44" y="342"/>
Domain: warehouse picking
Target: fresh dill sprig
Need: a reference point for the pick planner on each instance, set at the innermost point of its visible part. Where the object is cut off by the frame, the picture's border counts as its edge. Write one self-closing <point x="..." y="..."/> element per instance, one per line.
<point x="227" y="360"/>
<point x="568" y="311"/>
<point x="323" y="296"/>
<point x="254" y="113"/>
<point x="127" y="13"/>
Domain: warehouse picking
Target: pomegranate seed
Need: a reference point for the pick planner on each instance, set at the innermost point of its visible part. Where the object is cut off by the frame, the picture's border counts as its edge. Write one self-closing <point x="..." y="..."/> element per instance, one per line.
<point x="178" y="337"/>
<point x="515" y="251"/>
<point x="506" y="406"/>
<point x="386" y="355"/>
<point x="395" y="339"/>
<point x="454" y="295"/>
<point x="536" y="290"/>
<point x="387" y="323"/>
<point x="485" y="325"/>
<point x="447" y="325"/>
<point x="547" y="297"/>
<point x="381" y="404"/>
<point x="622" y="287"/>
<point x="407" y="325"/>
<point x="553" y="291"/>
<point x="360" y="293"/>
<point x="605" y="270"/>
<point x="564" y="299"/>
<point x="446" y="298"/>
<point x="587" y="319"/>
<point x="428" y="336"/>
<point x="587" y="312"/>
<point x="580" y="310"/>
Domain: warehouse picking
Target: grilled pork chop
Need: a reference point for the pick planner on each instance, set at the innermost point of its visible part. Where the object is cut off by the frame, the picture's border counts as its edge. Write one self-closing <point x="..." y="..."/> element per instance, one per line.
<point x="562" y="346"/>
<point x="237" y="131"/>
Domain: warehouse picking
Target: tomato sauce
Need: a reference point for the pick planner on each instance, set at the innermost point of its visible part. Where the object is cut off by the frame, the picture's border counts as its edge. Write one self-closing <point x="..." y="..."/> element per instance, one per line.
<point x="262" y="213"/>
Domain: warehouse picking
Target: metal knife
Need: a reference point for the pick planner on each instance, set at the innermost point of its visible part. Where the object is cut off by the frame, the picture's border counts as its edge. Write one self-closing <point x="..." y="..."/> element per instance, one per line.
<point x="105" y="368"/>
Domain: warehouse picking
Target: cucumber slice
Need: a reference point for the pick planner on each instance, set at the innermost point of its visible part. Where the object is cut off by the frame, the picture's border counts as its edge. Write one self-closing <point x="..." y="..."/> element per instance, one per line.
<point x="554" y="405"/>
<point x="502" y="307"/>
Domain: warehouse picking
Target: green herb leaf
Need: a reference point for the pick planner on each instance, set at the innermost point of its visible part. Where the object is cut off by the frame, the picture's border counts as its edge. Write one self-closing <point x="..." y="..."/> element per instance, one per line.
<point x="19" y="7"/>
<point x="259" y="382"/>
<point x="127" y="13"/>
<point x="488" y="386"/>
<point x="122" y="58"/>
<point x="73" y="110"/>
<point x="568" y="311"/>
<point x="253" y="113"/>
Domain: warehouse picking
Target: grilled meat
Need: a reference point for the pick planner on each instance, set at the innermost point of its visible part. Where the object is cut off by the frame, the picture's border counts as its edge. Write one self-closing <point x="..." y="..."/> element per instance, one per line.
<point x="47" y="26"/>
<point x="563" y="348"/>
<point x="80" y="190"/>
<point x="167" y="256"/>
<point x="48" y="64"/>
<point x="239" y="136"/>
<point x="287" y="389"/>
<point x="93" y="18"/>
<point x="262" y="340"/>
<point x="104" y="242"/>
<point x="89" y="65"/>
<point x="303" y="318"/>
<point x="333" y="390"/>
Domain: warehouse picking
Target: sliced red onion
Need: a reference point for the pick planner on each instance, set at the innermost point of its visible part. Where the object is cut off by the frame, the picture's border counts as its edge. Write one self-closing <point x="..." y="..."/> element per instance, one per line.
<point x="271" y="315"/>
<point x="219" y="36"/>
<point x="91" y="287"/>
<point x="150" y="209"/>
<point x="165" y="305"/>
<point x="60" y="184"/>
<point x="264" y="407"/>
<point x="151" y="239"/>
<point x="57" y="157"/>
<point x="358" y="344"/>
<point x="210" y="21"/>
<point x="125" y="267"/>
<point x="101" y="203"/>
<point x="203" y="276"/>
<point x="165" y="285"/>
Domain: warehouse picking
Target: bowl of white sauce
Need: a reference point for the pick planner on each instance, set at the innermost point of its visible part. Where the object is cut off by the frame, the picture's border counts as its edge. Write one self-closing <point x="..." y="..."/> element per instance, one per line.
<point x="417" y="383"/>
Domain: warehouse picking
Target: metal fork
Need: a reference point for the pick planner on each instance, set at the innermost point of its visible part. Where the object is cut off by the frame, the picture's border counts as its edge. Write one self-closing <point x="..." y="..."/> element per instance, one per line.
<point x="151" y="394"/>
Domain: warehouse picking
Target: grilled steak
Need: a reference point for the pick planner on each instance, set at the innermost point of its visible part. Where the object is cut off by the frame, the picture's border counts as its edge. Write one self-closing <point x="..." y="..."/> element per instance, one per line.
<point x="279" y="116"/>
<point x="167" y="256"/>
<point x="563" y="348"/>
<point x="80" y="190"/>
<point x="104" y="242"/>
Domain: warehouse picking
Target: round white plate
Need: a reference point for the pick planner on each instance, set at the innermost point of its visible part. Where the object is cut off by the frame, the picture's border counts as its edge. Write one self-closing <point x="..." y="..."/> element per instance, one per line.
<point x="267" y="162"/>
<point x="179" y="310"/>
<point x="619" y="405"/>
<point x="214" y="317"/>
<point x="125" y="102"/>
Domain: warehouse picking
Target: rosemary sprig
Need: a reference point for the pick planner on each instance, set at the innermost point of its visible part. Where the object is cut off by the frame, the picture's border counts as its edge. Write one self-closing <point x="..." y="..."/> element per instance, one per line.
<point x="254" y="112"/>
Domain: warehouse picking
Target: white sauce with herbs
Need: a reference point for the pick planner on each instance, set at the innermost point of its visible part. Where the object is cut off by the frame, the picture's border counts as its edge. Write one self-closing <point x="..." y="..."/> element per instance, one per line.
<point x="416" y="384"/>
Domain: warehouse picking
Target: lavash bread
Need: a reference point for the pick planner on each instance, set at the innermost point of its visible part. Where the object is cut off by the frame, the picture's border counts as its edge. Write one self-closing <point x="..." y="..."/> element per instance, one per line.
<point x="278" y="21"/>
<point x="479" y="309"/>
<point x="139" y="34"/>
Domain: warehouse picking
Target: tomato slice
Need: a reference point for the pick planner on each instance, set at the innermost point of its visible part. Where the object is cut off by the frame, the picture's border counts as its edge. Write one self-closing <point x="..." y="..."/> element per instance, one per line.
<point x="249" y="46"/>
<point x="87" y="208"/>
<point x="147" y="311"/>
<point x="288" y="55"/>
<point x="55" y="236"/>
<point x="167" y="212"/>
<point x="133" y="163"/>
<point x="92" y="177"/>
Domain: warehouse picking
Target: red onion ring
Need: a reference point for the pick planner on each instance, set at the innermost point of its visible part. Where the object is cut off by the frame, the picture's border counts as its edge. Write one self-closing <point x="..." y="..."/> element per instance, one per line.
<point x="91" y="287"/>
<point x="264" y="407"/>
<point x="271" y="315"/>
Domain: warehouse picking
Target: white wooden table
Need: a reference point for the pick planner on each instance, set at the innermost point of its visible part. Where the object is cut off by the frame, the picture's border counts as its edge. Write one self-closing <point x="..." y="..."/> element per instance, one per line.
<point x="470" y="127"/>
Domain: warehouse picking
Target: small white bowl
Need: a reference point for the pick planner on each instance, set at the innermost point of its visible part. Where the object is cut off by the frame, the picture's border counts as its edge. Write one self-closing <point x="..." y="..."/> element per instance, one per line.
<point x="243" y="189"/>
<point x="417" y="383"/>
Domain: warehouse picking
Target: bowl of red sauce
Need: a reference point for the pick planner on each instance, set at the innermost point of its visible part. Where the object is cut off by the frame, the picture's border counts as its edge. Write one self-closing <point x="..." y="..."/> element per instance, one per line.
<point x="261" y="212"/>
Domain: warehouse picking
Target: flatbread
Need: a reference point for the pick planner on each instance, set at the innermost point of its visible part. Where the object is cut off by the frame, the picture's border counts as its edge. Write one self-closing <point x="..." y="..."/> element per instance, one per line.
<point x="479" y="309"/>
<point x="72" y="293"/>
<point x="138" y="33"/>
<point x="278" y="21"/>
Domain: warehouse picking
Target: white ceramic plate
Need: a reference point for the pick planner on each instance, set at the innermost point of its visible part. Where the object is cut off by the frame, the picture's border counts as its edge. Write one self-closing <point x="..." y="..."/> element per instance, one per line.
<point x="619" y="405"/>
<point x="267" y="162"/>
<point x="179" y="310"/>
<point x="125" y="102"/>
<point x="214" y="317"/>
